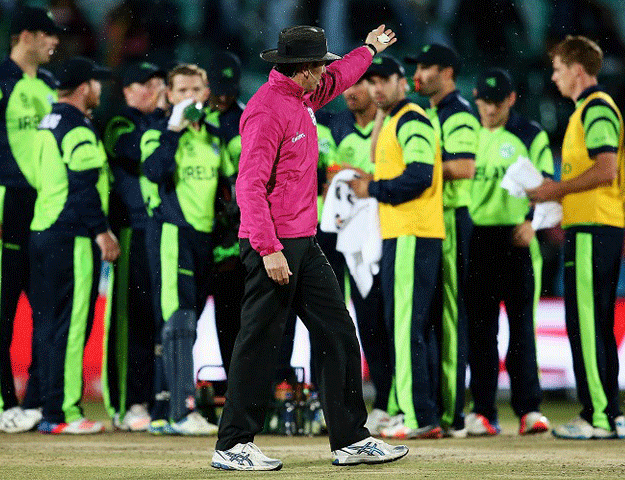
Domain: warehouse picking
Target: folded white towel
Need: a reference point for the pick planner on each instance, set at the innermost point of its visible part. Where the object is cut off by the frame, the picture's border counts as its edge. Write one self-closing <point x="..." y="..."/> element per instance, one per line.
<point x="357" y="225"/>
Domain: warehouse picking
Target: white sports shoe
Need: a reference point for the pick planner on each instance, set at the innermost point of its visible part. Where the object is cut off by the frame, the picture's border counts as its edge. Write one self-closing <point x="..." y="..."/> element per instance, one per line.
<point x="580" y="429"/>
<point x="369" y="450"/>
<point x="194" y="424"/>
<point x="376" y="421"/>
<point x="137" y="419"/>
<point x="17" y="420"/>
<point x="533" y="422"/>
<point x="244" y="456"/>
<point x="619" y="423"/>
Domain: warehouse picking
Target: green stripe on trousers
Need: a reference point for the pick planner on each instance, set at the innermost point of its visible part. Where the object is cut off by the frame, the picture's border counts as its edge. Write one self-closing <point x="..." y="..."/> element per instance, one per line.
<point x="118" y="282"/>
<point x="449" y="341"/>
<point x="169" y="270"/>
<point x="403" y="291"/>
<point x="584" y="288"/>
<point x="83" y="282"/>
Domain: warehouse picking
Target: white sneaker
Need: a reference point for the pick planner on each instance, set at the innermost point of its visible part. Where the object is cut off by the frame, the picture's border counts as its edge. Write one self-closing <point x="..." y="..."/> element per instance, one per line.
<point x="451" y="432"/>
<point x="368" y="450"/>
<point x="17" y="420"/>
<point x="137" y="419"/>
<point x="244" y="456"/>
<point x="619" y="423"/>
<point x="533" y="422"/>
<point x="194" y="424"/>
<point x="478" y="425"/>
<point x="376" y="421"/>
<point x="580" y="429"/>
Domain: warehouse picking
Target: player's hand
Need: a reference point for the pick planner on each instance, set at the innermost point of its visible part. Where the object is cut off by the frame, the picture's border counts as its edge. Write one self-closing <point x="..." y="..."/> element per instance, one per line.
<point x="277" y="267"/>
<point x="108" y="246"/>
<point x="379" y="45"/>
<point x="360" y="185"/>
<point x="523" y="234"/>
<point x="547" y="191"/>
<point x="176" y="121"/>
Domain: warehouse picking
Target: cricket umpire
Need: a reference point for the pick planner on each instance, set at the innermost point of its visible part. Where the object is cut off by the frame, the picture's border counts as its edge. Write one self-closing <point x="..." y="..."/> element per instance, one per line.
<point x="277" y="195"/>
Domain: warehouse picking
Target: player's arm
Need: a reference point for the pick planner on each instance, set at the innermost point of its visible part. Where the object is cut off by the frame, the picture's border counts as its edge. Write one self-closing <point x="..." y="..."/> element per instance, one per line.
<point x="460" y="132"/>
<point x="122" y="141"/>
<point x="418" y="141"/>
<point x="601" y="133"/>
<point x="159" y="154"/>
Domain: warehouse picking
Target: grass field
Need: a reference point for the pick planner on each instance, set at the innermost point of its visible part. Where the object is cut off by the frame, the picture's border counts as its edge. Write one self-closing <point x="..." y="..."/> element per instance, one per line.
<point x="117" y="455"/>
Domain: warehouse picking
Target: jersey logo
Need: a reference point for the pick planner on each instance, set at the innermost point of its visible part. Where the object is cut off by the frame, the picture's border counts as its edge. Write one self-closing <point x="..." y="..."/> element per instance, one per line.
<point x="506" y="150"/>
<point x="50" y="121"/>
<point x="298" y="136"/>
<point x="312" y="116"/>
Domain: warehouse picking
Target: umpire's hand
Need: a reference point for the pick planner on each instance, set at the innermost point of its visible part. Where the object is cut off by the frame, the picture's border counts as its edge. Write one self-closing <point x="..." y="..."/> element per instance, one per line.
<point x="374" y="38"/>
<point x="277" y="267"/>
<point x="108" y="245"/>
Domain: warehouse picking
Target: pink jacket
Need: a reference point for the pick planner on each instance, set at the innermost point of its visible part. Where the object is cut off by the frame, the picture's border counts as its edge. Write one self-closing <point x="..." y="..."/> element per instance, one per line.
<point x="277" y="182"/>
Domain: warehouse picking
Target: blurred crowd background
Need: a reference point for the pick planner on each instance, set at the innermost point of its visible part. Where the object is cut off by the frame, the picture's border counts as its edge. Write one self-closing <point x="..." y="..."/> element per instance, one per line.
<point x="512" y="34"/>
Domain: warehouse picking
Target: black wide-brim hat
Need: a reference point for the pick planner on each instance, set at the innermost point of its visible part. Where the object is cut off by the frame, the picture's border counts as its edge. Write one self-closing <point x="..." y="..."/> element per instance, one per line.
<point x="300" y="44"/>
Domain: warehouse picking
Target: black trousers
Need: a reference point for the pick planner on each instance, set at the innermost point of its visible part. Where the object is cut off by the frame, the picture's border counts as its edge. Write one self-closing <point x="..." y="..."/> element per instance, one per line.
<point x="65" y="271"/>
<point x="17" y="212"/>
<point x="592" y="257"/>
<point x="499" y="271"/>
<point x="314" y="294"/>
<point x="130" y="340"/>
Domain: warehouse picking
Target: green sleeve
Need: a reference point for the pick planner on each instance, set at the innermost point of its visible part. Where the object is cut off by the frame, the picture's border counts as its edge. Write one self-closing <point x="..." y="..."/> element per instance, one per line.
<point x="601" y="129"/>
<point x="234" y="150"/>
<point x="540" y="154"/>
<point x="460" y="133"/>
<point x="417" y="138"/>
<point x="80" y="150"/>
<point x="327" y="147"/>
<point x="225" y="166"/>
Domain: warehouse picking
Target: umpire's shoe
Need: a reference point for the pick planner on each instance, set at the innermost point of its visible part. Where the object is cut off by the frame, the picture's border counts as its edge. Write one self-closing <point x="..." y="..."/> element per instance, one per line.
<point x="244" y="456"/>
<point x="369" y="450"/>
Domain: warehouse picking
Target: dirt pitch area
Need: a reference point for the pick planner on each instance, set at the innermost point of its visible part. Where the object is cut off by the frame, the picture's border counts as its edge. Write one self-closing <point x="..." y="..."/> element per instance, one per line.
<point x="116" y="455"/>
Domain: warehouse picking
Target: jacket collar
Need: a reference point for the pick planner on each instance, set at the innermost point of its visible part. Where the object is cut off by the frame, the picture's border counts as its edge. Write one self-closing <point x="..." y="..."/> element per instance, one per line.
<point x="285" y="84"/>
<point x="398" y="107"/>
<point x="585" y="93"/>
<point x="12" y="68"/>
<point x="448" y="98"/>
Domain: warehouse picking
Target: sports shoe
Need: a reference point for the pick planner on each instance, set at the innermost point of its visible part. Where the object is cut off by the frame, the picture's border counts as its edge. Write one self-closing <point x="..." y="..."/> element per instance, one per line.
<point x="401" y="431"/>
<point x="370" y="451"/>
<point x="161" y="427"/>
<point x="376" y="421"/>
<point x="451" y="432"/>
<point x="619" y="423"/>
<point x="137" y="419"/>
<point x="194" y="424"/>
<point x="82" y="426"/>
<point x="17" y="420"/>
<point x="533" y="422"/>
<point x="244" y="456"/>
<point x="478" y="425"/>
<point x="580" y="429"/>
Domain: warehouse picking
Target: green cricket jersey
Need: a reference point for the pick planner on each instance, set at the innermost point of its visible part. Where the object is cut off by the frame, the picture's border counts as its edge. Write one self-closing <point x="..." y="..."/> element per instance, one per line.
<point x="185" y="166"/>
<point x="457" y="128"/>
<point x="72" y="195"/>
<point x="490" y="203"/>
<point x="24" y="101"/>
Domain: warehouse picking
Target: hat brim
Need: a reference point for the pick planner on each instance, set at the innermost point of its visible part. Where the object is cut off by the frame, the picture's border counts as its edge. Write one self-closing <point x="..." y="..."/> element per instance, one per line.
<point x="101" y="73"/>
<point x="223" y="88"/>
<point x="274" y="57"/>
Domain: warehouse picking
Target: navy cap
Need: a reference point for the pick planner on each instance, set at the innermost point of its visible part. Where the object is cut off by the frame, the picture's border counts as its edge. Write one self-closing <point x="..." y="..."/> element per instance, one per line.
<point x="77" y="70"/>
<point x="494" y="85"/>
<point x="34" y="19"/>
<point x="224" y="74"/>
<point x="141" y="72"/>
<point x="436" y="54"/>
<point x="384" y="66"/>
